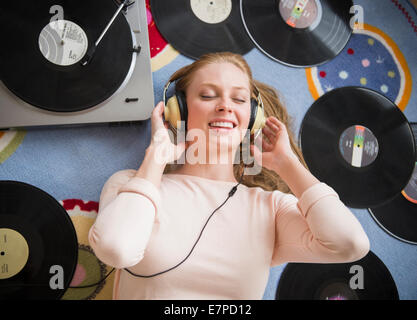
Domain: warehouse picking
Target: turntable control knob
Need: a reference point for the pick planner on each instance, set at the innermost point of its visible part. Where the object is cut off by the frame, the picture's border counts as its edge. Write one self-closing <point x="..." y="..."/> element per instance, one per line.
<point x="131" y="100"/>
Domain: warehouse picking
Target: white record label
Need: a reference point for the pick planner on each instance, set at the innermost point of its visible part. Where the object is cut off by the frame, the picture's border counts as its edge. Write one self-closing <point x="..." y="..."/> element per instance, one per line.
<point x="211" y="11"/>
<point x="358" y="146"/>
<point x="63" y="42"/>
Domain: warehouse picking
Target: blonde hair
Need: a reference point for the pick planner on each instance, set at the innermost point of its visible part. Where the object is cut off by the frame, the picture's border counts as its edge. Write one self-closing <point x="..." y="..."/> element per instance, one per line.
<point x="266" y="179"/>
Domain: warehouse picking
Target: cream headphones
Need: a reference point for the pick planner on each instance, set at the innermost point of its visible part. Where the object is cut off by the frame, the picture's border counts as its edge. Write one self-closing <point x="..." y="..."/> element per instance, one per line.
<point x="175" y="109"/>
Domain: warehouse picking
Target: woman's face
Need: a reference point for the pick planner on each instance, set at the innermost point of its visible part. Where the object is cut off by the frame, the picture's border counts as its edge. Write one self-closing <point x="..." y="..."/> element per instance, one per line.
<point x="219" y="93"/>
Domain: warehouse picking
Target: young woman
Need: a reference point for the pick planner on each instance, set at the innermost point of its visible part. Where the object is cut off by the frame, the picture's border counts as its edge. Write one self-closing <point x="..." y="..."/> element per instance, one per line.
<point x="158" y="225"/>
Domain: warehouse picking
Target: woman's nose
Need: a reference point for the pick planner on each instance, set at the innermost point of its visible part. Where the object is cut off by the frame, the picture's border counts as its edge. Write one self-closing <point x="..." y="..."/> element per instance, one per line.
<point x="223" y="106"/>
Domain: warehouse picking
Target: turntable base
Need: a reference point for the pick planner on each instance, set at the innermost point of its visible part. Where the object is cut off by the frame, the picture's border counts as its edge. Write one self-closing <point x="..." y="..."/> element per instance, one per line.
<point x="129" y="99"/>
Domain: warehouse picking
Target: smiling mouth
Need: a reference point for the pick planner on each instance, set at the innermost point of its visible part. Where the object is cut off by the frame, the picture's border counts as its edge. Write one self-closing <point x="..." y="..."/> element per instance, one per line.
<point x="220" y="128"/>
<point x="223" y="125"/>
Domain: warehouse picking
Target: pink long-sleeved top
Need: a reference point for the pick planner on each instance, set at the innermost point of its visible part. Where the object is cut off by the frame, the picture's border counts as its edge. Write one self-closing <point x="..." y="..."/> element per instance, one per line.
<point x="149" y="229"/>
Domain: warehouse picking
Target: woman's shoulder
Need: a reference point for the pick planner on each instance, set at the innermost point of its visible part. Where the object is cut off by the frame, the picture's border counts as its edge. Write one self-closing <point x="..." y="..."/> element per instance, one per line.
<point x="118" y="179"/>
<point x="275" y="198"/>
<point x="121" y="176"/>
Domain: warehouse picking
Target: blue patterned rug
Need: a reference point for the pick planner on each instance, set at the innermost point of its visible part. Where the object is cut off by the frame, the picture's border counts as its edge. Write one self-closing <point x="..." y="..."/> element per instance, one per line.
<point x="72" y="164"/>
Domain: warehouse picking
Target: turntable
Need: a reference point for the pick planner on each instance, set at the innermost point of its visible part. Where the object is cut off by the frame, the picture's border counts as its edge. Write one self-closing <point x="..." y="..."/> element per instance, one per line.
<point x="74" y="62"/>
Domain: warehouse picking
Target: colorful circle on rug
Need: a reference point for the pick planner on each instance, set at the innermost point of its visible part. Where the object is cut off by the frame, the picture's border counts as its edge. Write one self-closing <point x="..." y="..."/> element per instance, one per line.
<point x="9" y="141"/>
<point x="89" y="268"/>
<point x="371" y="59"/>
<point x="162" y="53"/>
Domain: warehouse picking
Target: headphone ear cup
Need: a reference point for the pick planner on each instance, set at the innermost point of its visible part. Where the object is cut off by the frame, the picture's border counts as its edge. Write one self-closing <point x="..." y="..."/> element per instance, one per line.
<point x="176" y="110"/>
<point x="182" y="105"/>
<point x="260" y="120"/>
<point x="257" y="117"/>
<point x="253" y="110"/>
<point x="172" y="111"/>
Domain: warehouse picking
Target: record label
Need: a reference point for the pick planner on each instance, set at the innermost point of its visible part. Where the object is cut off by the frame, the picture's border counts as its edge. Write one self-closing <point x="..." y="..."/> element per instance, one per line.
<point x="63" y="42"/>
<point x="211" y="11"/>
<point x="410" y="191"/>
<point x="358" y="146"/>
<point x="14" y="253"/>
<point x="299" y="14"/>
<point x="335" y="290"/>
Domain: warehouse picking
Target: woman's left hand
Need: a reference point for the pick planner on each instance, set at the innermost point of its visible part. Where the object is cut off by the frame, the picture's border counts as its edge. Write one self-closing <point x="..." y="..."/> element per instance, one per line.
<point x="276" y="149"/>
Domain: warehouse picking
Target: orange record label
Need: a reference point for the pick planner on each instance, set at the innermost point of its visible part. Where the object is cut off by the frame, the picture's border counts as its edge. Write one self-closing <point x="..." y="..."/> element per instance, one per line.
<point x="410" y="190"/>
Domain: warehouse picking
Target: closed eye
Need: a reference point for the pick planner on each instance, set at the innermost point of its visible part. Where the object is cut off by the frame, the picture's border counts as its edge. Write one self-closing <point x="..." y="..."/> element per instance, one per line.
<point x="213" y="97"/>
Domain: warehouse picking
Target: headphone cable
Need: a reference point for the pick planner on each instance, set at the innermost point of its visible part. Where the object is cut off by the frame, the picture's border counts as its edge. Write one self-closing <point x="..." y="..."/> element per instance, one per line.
<point x="231" y="193"/>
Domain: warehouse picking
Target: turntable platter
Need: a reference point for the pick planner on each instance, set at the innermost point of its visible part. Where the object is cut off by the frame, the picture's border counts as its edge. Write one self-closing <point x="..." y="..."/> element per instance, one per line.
<point x="43" y="53"/>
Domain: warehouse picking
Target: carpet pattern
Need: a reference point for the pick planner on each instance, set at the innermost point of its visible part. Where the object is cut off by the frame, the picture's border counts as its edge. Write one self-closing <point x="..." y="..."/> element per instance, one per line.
<point x="72" y="164"/>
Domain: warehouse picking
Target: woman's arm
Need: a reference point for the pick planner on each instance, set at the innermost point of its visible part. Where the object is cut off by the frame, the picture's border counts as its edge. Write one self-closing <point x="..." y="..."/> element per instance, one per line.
<point x="295" y="175"/>
<point x="316" y="227"/>
<point x="129" y="203"/>
<point x="130" y="200"/>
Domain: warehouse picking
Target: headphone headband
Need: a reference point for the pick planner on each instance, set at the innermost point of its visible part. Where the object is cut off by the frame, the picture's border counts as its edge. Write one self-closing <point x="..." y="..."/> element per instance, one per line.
<point x="165" y="92"/>
<point x="259" y="98"/>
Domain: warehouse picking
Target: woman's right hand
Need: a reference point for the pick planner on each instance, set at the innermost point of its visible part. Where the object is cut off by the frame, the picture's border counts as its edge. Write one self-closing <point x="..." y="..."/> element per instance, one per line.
<point x="165" y="150"/>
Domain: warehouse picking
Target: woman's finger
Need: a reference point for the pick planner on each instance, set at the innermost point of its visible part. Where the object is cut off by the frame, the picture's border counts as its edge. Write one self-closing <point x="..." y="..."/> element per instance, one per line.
<point x="269" y="133"/>
<point x="273" y="124"/>
<point x="266" y="146"/>
<point x="267" y="143"/>
<point x="158" y="111"/>
<point x="158" y="126"/>
<point x="279" y="124"/>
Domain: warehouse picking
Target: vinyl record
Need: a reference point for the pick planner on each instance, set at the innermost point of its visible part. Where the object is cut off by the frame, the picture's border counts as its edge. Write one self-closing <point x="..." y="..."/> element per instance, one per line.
<point x="360" y="143"/>
<point x="298" y="33"/>
<point x="365" y="279"/>
<point x="197" y="27"/>
<point x="399" y="216"/>
<point x="44" y="54"/>
<point x="38" y="244"/>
